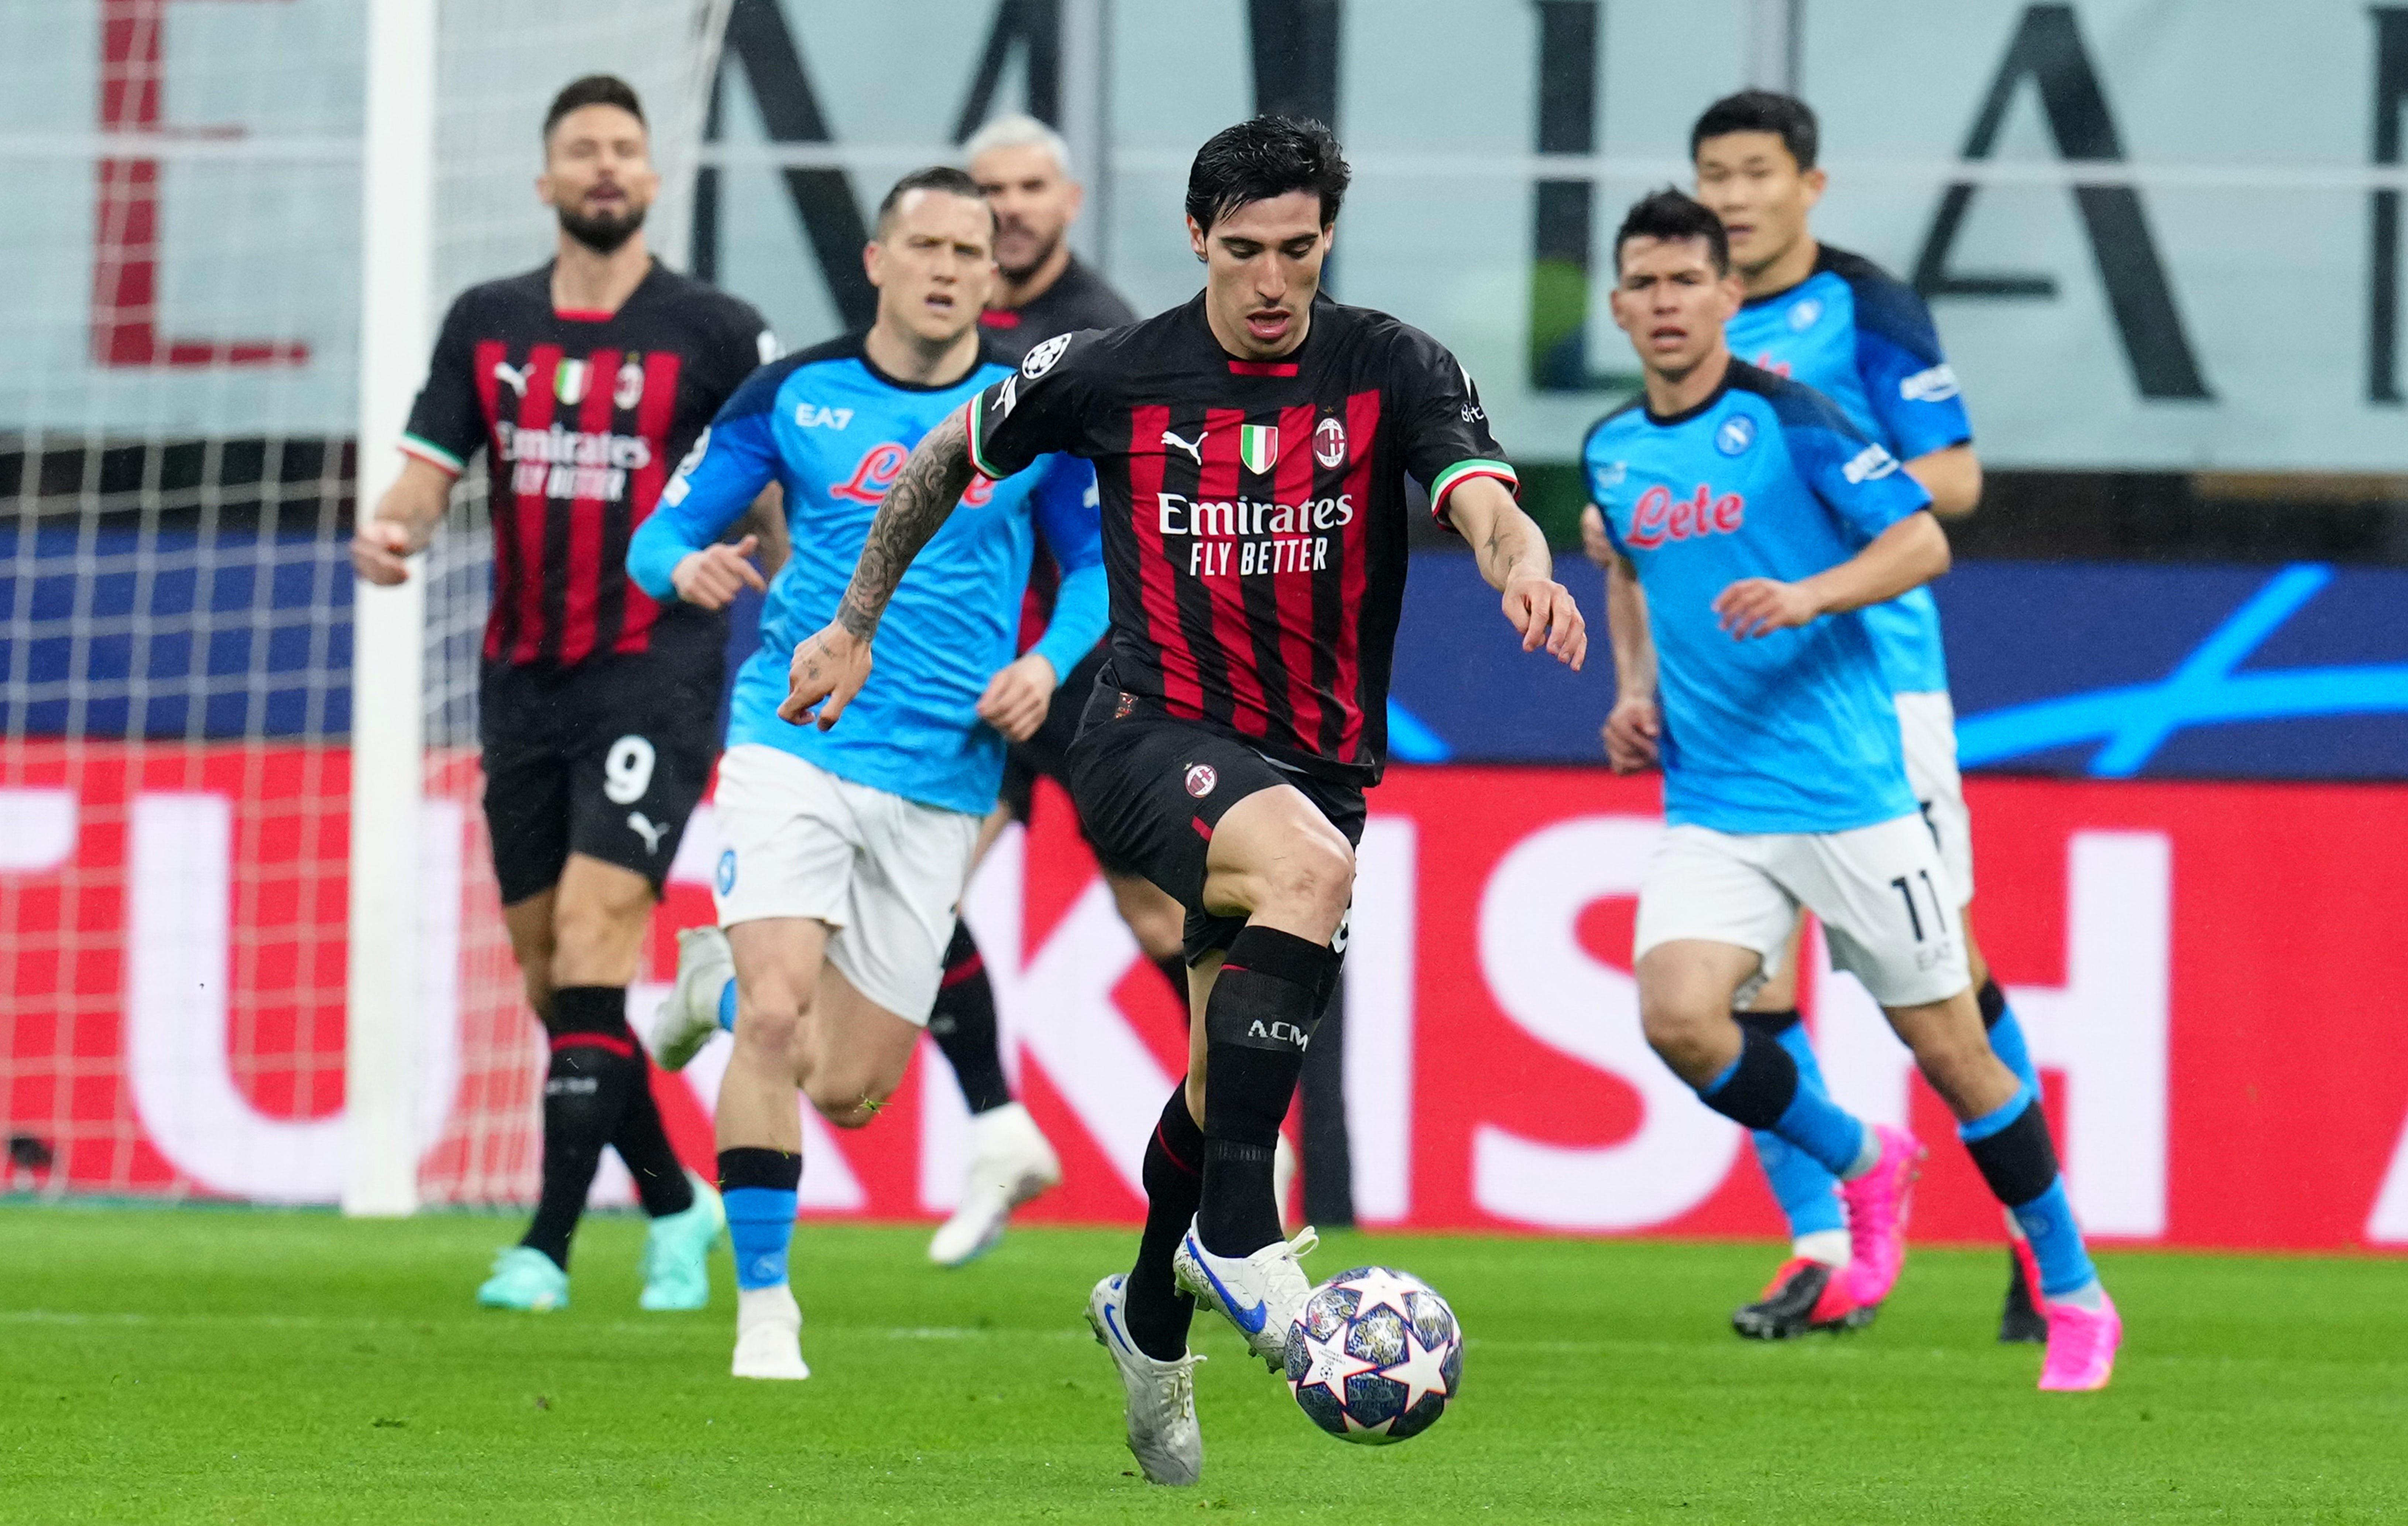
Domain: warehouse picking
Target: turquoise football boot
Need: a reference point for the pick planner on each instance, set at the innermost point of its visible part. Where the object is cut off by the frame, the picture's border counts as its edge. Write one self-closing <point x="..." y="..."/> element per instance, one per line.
<point x="677" y="1252"/>
<point x="525" y="1278"/>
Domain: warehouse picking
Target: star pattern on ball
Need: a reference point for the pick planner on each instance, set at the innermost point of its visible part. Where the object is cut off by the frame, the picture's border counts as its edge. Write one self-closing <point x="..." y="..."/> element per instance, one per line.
<point x="1422" y="1372"/>
<point x="1332" y="1365"/>
<point x="1378" y="1287"/>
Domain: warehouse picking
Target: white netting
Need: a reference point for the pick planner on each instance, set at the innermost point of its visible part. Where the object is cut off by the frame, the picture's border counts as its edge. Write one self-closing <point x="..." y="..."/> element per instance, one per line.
<point x="181" y="321"/>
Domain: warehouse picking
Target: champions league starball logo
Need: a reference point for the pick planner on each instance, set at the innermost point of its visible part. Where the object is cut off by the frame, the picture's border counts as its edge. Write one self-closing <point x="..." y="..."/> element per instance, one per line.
<point x="1040" y="359"/>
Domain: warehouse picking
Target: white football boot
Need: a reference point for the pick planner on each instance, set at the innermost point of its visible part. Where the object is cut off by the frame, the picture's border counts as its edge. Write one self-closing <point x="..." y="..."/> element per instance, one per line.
<point x="684" y="1024"/>
<point x="1162" y="1431"/>
<point x="1011" y="1162"/>
<point x="769" y="1334"/>
<point x="1262" y="1294"/>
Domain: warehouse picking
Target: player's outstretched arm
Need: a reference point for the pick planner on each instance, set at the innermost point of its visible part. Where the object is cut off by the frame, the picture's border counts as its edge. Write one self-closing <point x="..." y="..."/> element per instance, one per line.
<point x="405" y="521"/>
<point x="830" y="666"/>
<point x="1908" y="554"/>
<point x="1633" y="728"/>
<point x="1513" y="557"/>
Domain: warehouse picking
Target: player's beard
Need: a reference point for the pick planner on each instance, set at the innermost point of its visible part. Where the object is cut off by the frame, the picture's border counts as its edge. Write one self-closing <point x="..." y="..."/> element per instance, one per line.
<point x="1034" y="263"/>
<point x="603" y="234"/>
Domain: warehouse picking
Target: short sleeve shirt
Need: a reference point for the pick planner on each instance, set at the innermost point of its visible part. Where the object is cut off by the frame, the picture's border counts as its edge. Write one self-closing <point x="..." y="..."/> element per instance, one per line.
<point x="1254" y="511"/>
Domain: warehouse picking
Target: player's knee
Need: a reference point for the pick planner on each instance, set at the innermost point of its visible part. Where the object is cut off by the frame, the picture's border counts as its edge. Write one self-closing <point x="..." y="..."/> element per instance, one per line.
<point x="1313" y="877"/>
<point x="770" y="1022"/>
<point x="1682" y="1024"/>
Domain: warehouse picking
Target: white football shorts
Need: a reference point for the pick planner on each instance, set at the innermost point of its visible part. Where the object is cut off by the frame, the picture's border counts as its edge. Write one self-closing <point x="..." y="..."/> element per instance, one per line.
<point x="1889" y="907"/>
<point x="1927" y="725"/>
<point x="884" y="873"/>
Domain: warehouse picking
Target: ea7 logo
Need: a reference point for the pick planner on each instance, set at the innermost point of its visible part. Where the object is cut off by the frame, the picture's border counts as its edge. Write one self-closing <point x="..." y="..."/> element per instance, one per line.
<point x="1871" y="463"/>
<point x="812" y="416"/>
<point x="1937" y="385"/>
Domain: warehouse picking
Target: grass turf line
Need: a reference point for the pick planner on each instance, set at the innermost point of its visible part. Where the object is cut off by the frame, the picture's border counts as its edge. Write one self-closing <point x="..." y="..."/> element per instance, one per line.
<point x="176" y="1365"/>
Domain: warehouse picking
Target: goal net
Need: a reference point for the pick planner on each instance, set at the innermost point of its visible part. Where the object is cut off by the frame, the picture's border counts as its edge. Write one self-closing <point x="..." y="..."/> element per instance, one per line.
<point x="176" y="453"/>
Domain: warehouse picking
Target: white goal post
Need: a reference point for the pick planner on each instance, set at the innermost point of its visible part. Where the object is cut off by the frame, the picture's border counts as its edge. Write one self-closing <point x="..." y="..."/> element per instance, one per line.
<point x="388" y="624"/>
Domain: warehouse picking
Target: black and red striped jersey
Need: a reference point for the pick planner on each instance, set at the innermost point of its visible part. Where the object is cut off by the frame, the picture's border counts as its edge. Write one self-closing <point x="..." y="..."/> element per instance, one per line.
<point x="1254" y="511"/>
<point x="583" y="418"/>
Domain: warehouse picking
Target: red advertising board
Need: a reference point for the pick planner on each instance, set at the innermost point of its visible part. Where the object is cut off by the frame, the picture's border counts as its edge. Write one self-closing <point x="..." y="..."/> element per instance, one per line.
<point x="2197" y="966"/>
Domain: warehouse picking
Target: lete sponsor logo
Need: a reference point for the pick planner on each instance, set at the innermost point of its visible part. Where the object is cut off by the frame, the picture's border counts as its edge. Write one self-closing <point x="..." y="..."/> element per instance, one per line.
<point x="1659" y="516"/>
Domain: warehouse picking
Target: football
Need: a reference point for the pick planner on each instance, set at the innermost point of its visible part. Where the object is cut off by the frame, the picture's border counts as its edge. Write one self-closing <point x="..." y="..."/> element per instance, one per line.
<point x="1376" y="1357"/>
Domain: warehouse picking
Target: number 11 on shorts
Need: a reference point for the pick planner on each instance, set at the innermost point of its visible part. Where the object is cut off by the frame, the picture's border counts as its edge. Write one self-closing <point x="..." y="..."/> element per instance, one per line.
<point x="1914" y="919"/>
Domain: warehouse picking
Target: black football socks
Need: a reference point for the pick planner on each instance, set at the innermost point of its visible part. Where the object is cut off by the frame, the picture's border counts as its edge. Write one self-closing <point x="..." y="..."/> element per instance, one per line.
<point x="1264" y="1004"/>
<point x="594" y="1068"/>
<point x="1157" y="1311"/>
<point x="643" y="1143"/>
<point x="963" y="1024"/>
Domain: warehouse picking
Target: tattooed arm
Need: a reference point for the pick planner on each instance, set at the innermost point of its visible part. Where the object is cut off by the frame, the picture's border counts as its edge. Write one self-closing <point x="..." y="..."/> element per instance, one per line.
<point x="832" y="664"/>
<point x="1513" y="554"/>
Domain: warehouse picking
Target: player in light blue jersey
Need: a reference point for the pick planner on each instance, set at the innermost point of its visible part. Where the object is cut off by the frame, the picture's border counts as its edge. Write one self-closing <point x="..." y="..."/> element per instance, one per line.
<point x="1846" y="327"/>
<point x="1750" y="524"/>
<point x="1840" y="323"/>
<point x="845" y="853"/>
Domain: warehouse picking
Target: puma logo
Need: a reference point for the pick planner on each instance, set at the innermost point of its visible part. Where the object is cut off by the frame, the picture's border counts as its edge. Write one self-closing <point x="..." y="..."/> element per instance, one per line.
<point x="517" y="379"/>
<point x="1195" y="451"/>
<point x="641" y="825"/>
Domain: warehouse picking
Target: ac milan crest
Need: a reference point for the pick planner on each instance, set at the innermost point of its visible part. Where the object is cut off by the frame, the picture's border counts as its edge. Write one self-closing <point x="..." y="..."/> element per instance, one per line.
<point x="1329" y="442"/>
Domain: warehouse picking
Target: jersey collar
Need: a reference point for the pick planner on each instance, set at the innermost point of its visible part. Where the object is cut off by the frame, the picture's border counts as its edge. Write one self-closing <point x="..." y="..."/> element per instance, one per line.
<point x="1666" y="420"/>
<point x="585" y="315"/>
<point x="1822" y="263"/>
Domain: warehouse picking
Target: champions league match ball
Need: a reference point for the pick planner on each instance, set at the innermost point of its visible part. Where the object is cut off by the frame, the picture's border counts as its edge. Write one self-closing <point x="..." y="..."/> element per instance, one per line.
<point x="1376" y="1357"/>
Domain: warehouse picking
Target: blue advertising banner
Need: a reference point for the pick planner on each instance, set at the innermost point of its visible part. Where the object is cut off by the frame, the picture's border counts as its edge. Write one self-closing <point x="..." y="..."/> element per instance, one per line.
<point x="2108" y="670"/>
<point x="2105" y="670"/>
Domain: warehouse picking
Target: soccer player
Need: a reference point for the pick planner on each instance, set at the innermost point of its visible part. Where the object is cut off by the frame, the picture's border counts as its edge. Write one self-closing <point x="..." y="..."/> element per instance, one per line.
<point x="846" y="852"/>
<point x="583" y="381"/>
<point x="1749" y="523"/>
<point x="1024" y="168"/>
<point x="1838" y="323"/>
<point x="1251" y="447"/>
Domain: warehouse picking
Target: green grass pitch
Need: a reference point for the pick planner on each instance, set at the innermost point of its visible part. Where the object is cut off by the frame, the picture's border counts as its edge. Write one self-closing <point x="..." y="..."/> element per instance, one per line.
<point x="199" y="1365"/>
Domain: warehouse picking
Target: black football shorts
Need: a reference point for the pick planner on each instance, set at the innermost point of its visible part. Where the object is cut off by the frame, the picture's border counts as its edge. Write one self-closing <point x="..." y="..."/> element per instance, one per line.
<point x="1151" y="789"/>
<point x="606" y="758"/>
<point x="1047" y="754"/>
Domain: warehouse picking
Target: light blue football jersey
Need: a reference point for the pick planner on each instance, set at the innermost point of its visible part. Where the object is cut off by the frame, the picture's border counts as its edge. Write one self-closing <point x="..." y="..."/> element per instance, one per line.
<point x="1789" y="732"/>
<point x="833" y="431"/>
<point x="1865" y="340"/>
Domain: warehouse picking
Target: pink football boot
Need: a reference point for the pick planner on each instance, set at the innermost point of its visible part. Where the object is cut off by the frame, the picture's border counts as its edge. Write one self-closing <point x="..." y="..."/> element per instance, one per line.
<point x="2080" y="1347"/>
<point x="1877" y="1207"/>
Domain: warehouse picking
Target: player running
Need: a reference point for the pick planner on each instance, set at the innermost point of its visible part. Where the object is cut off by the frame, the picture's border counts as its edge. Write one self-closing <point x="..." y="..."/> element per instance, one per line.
<point x="1251" y="447"/>
<point x="1024" y="168"/>
<point x="583" y="381"/>
<point x="846" y="852"/>
<point x="1750" y="521"/>
<point x="1838" y="323"/>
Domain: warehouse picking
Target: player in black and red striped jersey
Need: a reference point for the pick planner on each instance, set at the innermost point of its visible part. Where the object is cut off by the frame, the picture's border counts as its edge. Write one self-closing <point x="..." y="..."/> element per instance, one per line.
<point x="584" y="382"/>
<point x="1251" y="450"/>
